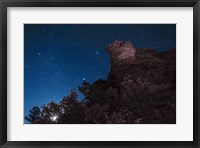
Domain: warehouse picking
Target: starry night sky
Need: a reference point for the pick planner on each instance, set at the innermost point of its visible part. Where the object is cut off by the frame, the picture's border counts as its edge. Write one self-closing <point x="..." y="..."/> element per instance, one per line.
<point x="59" y="57"/>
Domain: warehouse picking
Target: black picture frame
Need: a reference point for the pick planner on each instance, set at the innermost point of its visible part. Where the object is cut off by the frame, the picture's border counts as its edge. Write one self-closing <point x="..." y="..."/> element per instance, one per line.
<point x="4" y="4"/>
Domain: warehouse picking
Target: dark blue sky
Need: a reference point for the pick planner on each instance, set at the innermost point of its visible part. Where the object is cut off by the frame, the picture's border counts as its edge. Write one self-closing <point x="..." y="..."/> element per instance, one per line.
<point x="57" y="58"/>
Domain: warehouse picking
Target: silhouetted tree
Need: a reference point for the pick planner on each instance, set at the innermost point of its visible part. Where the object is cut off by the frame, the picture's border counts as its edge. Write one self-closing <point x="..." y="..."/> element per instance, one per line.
<point x="71" y="109"/>
<point x="34" y="116"/>
<point x="50" y="112"/>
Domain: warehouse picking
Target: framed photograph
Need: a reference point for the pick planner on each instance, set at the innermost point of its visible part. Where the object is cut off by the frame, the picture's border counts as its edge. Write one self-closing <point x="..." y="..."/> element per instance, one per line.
<point x="99" y="73"/>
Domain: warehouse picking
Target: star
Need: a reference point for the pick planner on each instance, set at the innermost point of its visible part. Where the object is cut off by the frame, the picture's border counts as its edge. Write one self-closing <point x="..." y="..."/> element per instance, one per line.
<point x="97" y="52"/>
<point x="84" y="79"/>
<point x="27" y="66"/>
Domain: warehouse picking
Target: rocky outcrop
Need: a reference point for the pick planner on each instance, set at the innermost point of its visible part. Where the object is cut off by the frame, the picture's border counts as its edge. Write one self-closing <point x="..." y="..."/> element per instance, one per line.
<point x="159" y="69"/>
<point x="122" y="54"/>
<point x="140" y="89"/>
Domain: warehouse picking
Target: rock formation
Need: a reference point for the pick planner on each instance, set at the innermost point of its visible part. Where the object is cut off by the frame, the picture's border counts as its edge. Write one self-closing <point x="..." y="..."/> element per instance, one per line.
<point x="122" y="54"/>
<point x="159" y="69"/>
<point x="141" y="87"/>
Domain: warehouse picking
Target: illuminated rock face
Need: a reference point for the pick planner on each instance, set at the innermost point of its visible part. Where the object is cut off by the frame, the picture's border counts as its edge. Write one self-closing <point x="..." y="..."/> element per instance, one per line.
<point x="122" y="54"/>
<point x="158" y="68"/>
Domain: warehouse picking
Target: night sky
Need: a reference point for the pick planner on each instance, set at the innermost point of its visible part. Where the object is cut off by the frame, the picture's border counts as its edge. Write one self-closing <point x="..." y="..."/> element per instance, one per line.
<point x="59" y="57"/>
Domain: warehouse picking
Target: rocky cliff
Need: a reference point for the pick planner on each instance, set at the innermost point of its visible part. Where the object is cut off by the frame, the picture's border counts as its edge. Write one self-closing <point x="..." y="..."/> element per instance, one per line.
<point x="141" y="87"/>
<point x="158" y="69"/>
